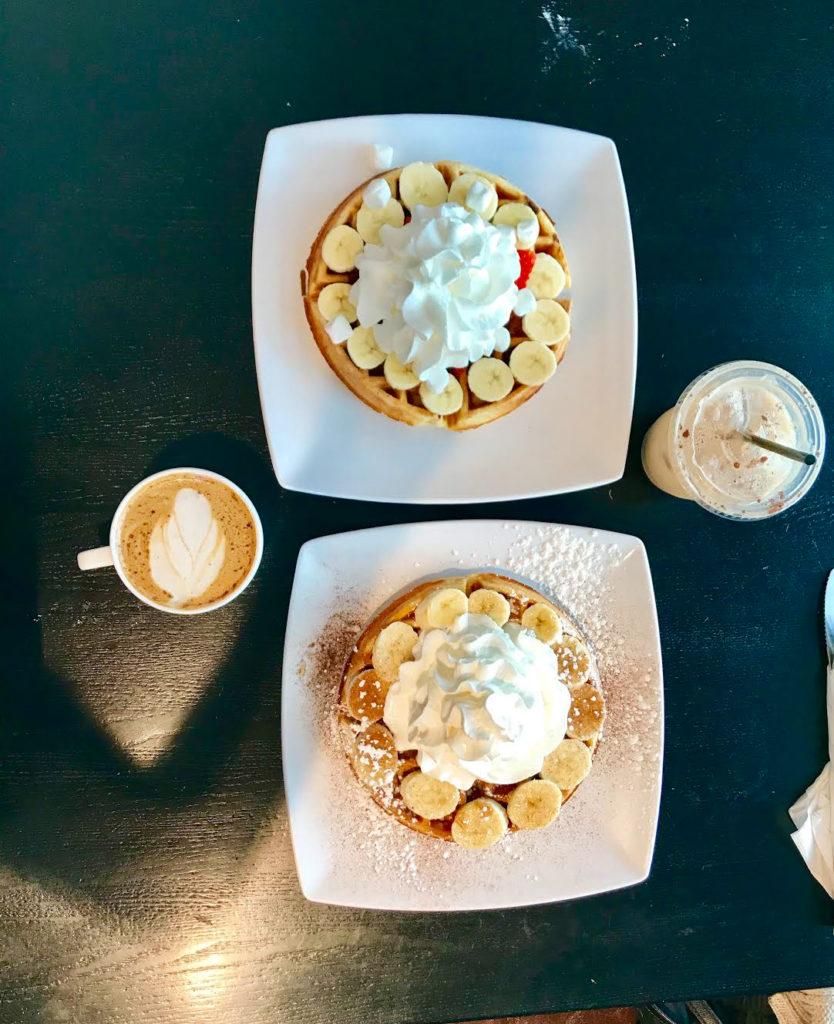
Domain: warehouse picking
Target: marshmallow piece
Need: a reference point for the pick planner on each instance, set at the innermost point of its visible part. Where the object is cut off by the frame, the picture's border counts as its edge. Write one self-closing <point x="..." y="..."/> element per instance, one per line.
<point x="382" y="156"/>
<point x="478" y="197"/>
<point x="525" y="303"/>
<point x="339" y="329"/>
<point x="376" y="194"/>
<point x="526" y="233"/>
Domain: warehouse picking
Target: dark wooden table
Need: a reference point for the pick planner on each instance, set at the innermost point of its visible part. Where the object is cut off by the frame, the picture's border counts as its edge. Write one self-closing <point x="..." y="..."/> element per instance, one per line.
<point x="145" y="865"/>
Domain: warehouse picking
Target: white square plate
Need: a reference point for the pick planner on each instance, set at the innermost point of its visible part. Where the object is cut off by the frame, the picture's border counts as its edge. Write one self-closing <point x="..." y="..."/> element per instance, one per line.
<point x="347" y="850"/>
<point x="325" y="441"/>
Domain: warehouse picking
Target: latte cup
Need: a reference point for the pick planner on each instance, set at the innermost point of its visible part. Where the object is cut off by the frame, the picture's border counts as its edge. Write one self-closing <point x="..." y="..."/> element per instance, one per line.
<point x="213" y="540"/>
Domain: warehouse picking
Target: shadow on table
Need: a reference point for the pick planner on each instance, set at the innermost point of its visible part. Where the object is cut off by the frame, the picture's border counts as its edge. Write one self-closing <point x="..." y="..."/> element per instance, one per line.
<point x="73" y="806"/>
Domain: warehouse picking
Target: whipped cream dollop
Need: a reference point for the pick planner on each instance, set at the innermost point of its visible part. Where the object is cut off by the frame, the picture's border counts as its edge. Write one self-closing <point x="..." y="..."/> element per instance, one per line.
<point x="187" y="548"/>
<point x="478" y="701"/>
<point x="438" y="291"/>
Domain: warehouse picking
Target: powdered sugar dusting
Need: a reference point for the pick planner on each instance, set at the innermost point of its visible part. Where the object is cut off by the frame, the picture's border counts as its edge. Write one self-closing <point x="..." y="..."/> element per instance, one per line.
<point x="367" y="857"/>
<point x="563" y="36"/>
<point x="579" y="572"/>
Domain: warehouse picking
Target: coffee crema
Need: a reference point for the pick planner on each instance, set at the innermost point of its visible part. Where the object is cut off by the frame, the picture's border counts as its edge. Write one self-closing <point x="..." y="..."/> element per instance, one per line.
<point x="187" y="541"/>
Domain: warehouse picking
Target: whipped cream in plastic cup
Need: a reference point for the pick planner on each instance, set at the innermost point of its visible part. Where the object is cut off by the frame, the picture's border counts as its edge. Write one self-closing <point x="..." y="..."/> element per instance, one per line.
<point x="695" y="450"/>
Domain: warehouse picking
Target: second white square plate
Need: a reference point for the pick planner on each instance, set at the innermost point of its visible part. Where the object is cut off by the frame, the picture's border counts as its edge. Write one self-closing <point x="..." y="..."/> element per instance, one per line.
<point x="350" y="852"/>
<point x="573" y="434"/>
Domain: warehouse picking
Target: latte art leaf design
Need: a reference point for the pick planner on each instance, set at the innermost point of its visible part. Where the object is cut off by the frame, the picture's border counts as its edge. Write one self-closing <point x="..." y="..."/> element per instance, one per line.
<point x="188" y="548"/>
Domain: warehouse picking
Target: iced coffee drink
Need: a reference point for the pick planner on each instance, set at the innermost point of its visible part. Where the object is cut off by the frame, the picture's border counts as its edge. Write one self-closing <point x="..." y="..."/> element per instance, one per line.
<point x="701" y="449"/>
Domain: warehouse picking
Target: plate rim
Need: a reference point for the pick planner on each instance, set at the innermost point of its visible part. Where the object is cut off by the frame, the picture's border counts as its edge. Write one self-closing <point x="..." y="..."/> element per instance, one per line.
<point x="618" y="467"/>
<point x="625" y="541"/>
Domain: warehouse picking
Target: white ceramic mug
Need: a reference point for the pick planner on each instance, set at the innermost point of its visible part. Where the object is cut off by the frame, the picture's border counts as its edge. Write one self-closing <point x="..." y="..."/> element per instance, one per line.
<point x="100" y="558"/>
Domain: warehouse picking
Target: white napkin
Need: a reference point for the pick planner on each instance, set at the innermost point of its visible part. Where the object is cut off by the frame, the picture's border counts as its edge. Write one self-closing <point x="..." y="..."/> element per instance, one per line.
<point x="812" y="812"/>
<point x="810" y="1006"/>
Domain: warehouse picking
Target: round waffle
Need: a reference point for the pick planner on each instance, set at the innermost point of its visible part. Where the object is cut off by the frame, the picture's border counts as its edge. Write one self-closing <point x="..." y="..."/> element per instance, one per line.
<point x="372" y="386"/>
<point x="369" y="745"/>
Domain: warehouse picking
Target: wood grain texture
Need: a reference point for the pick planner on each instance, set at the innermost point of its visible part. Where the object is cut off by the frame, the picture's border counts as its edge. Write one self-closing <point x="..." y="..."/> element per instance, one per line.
<point x="145" y="866"/>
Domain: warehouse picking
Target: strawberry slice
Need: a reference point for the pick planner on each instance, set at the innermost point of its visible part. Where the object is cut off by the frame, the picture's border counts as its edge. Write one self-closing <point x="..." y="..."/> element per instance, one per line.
<point x="526" y="257"/>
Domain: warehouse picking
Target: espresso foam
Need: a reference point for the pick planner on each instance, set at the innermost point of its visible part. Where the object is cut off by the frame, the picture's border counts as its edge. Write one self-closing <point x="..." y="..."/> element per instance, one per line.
<point x="154" y="504"/>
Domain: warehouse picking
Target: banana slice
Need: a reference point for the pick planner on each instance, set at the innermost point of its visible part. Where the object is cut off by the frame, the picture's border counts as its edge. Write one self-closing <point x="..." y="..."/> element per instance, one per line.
<point x="532" y="363"/>
<point x="401" y="378"/>
<point x="513" y="213"/>
<point x="340" y="248"/>
<point x="479" y="823"/>
<point x="421" y="611"/>
<point x="393" y="646"/>
<point x="374" y="756"/>
<point x="364" y="696"/>
<point x="567" y="765"/>
<point x="363" y="349"/>
<point x="427" y="797"/>
<point x="484" y="198"/>
<point x="534" y="804"/>
<point x="448" y="401"/>
<point x="573" y="660"/>
<point x="370" y="219"/>
<point x="491" y="603"/>
<point x="422" y="185"/>
<point x="548" y="323"/>
<point x="547" y="278"/>
<point x="334" y="300"/>
<point x="544" y="622"/>
<point x="587" y="713"/>
<point x="444" y="606"/>
<point x="490" y="379"/>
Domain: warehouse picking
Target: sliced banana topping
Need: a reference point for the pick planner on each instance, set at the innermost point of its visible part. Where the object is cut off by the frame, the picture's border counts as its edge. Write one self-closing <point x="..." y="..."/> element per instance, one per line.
<point x="449" y="400"/>
<point x="573" y="660"/>
<point x="427" y="797"/>
<point x="534" y="804"/>
<point x="513" y="213"/>
<point x="548" y="323"/>
<point x="532" y="363"/>
<point x="422" y="185"/>
<point x="490" y="379"/>
<point x="479" y="824"/>
<point x="370" y="219"/>
<point x="363" y="349"/>
<point x="567" y="765"/>
<point x="587" y="713"/>
<point x="401" y="378"/>
<point x="334" y="300"/>
<point x="393" y="646"/>
<point x="443" y="607"/>
<point x="364" y="696"/>
<point x="340" y="248"/>
<point x="547" y="278"/>
<point x="474" y="193"/>
<point x="544" y="622"/>
<point x="374" y="756"/>
<point x="491" y="603"/>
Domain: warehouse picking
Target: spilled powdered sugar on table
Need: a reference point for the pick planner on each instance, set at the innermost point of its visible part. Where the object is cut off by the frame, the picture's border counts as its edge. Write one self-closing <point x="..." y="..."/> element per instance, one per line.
<point x="576" y="572"/>
<point x="565" y="36"/>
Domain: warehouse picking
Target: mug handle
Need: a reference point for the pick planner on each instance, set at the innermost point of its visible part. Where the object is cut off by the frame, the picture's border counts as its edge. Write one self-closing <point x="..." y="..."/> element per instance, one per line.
<point x="95" y="558"/>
